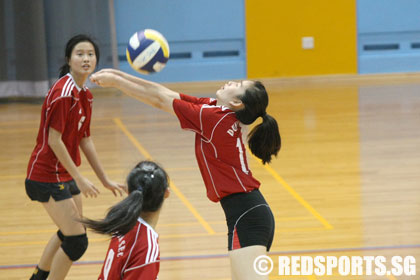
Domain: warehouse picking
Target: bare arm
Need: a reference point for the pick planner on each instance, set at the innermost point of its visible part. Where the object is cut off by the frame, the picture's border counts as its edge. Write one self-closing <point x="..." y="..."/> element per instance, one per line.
<point x="60" y="151"/>
<point x="148" y="92"/>
<point x="89" y="150"/>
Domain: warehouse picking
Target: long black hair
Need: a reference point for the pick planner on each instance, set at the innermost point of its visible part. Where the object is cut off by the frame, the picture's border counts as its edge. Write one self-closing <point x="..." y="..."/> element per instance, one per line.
<point x="65" y="68"/>
<point x="264" y="139"/>
<point x="147" y="183"/>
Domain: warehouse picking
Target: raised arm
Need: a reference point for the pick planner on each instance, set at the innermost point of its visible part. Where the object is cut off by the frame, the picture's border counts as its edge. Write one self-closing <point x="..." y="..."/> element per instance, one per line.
<point x="148" y="92"/>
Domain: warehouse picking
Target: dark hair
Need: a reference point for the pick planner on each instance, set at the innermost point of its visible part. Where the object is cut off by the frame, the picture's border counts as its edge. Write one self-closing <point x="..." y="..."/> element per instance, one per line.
<point x="147" y="183"/>
<point x="65" y="68"/>
<point x="264" y="139"/>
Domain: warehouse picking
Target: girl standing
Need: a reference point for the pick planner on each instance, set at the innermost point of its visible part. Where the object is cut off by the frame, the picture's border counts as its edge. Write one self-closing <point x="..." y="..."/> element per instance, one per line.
<point x="221" y="155"/>
<point x="53" y="177"/>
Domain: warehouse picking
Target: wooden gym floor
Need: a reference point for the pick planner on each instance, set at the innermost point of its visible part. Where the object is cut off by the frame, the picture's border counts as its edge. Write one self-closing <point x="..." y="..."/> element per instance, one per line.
<point x="346" y="182"/>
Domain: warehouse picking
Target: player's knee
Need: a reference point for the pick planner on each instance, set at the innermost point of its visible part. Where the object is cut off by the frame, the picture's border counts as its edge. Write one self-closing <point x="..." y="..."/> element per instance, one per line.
<point x="75" y="246"/>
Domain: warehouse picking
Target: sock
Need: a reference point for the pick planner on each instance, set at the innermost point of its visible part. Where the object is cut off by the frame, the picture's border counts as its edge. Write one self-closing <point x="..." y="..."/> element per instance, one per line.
<point x="39" y="274"/>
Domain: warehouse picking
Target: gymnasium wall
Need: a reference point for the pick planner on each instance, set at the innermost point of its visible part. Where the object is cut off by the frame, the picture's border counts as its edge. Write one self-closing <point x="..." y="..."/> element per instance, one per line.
<point x="388" y="36"/>
<point x="237" y="39"/>
<point x="275" y="29"/>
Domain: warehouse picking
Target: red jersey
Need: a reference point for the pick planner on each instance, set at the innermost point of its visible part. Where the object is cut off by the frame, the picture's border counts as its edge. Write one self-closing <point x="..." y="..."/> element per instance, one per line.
<point x="133" y="256"/>
<point x="219" y="148"/>
<point x="68" y="109"/>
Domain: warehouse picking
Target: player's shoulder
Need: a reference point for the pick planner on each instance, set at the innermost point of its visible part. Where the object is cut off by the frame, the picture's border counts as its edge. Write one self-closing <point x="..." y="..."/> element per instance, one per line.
<point x="137" y="231"/>
<point x="145" y="228"/>
<point x="197" y="100"/>
<point x="211" y="101"/>
<point x="217" y="112"/>
<point x="62" y="87"/>
<point x="140" y="238"/>
<point x="216" y="108"/>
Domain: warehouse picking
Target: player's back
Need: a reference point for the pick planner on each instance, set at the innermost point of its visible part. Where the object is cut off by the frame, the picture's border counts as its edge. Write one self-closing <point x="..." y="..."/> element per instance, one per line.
<point x="134" y="255"/>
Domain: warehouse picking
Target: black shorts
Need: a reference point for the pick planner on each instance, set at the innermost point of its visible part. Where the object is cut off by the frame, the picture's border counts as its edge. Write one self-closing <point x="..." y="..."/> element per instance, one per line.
<point x="249" y="220"/>
<point x="43" y="191"/>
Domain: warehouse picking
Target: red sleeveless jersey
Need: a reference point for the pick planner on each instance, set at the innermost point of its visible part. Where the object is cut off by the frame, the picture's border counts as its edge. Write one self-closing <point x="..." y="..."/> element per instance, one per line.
<point x="219" y="148"/>
<point x="68" y="109"/>
<point x="133" y="256"/>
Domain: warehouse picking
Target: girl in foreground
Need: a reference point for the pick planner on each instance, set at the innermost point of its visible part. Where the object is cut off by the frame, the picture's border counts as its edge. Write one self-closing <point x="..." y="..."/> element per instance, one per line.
<point x="134" y="250"/>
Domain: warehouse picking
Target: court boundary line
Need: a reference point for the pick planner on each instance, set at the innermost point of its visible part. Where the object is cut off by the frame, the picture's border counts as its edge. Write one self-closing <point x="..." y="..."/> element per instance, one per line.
<point x="295" y="194"/>
<point x="225" y="255"/>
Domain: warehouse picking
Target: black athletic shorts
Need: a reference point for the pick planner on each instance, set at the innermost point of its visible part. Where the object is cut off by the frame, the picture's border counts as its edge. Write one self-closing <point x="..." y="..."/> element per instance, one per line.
<point x="43" y="191"/>
<point x="249" y="220"/>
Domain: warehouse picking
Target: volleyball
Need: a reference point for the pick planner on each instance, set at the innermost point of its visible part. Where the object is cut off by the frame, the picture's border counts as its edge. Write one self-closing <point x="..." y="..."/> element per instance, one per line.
<point x="147" y="51"/>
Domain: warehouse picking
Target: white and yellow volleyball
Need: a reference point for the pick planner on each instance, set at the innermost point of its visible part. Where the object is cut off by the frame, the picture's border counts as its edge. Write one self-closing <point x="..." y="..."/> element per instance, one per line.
<point x="147" y="51"/>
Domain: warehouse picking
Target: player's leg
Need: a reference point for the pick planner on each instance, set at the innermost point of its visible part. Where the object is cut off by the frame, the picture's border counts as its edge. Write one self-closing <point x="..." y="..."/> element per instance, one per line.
<point x="49" y="252"/>
<point x="56" y="239"/>
<point x="65" y="214"/>
<point x="242" y="262"/>
<point x="78" y="201"/>
<point x="252" y="235"/>
<point x="251" y="229"/>
<point x="42" y="192"/>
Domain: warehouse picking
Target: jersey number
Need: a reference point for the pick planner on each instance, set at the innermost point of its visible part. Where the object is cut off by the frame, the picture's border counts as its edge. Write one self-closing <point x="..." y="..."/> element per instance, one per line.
<point x="241" y="155"/>
<point x="108" y="263"/>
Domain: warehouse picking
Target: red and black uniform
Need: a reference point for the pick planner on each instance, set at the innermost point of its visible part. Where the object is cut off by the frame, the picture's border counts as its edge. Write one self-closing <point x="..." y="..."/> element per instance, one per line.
<point x="221" y="157"/>
<point x="134" y="255"/>
<point x="68" y="109"/>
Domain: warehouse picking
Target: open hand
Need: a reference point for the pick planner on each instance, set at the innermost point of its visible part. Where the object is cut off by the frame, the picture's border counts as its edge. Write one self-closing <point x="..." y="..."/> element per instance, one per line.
<point x="116" y="188"/>
<point x="86" y="187"/>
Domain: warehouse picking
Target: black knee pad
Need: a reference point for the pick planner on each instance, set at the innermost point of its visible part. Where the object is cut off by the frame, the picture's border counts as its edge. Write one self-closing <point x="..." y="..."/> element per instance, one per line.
<point x="75" y="246"/>
<point x="60" y="235"/>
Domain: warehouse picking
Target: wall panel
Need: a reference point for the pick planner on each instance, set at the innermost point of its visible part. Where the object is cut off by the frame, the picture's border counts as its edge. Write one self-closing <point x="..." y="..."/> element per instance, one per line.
<point x="274" y="31"/>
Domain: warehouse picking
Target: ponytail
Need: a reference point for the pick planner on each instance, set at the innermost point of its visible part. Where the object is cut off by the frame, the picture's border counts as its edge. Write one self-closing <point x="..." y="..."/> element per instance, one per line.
<point x="147" y="183"/>
<point x="64" y="70"/>
<point x="264" y="140"/>
<point x="121" y="218"/>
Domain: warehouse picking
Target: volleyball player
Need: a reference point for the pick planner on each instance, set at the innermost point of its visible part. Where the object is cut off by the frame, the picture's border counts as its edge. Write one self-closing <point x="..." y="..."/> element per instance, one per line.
<point x="53" y="177"/>
<point x="134" y="250"/>
<point x="221" y="155"/>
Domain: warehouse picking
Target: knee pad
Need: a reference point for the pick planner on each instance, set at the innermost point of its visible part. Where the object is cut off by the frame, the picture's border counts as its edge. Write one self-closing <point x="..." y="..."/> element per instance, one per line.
<point x="75" y="246"/>
<point x="60" y="235"/>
